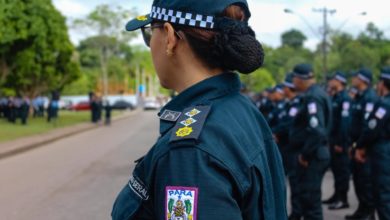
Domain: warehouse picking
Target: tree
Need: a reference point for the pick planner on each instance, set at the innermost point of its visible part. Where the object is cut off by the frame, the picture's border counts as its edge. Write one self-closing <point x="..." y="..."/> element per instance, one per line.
<point x="293" y="38"/>
<point x="107" y="24"/>
<point x="36" y="54"/>
<point x="258" y="80"/>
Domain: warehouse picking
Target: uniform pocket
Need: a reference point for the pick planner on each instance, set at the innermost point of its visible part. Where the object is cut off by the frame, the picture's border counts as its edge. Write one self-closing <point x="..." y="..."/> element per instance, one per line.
<point x="126" y="204"/>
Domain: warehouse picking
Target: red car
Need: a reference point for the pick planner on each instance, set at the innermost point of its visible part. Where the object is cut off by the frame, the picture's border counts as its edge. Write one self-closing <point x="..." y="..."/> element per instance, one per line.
<point x="81" y="106"/>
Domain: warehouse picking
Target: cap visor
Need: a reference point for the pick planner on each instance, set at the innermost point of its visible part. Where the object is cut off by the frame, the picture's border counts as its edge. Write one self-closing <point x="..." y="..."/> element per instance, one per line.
<point x="138" y="22"/>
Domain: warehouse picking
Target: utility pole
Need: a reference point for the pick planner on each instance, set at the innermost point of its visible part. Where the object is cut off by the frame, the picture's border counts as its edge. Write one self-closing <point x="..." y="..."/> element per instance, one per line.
<point x="325" y="32"/>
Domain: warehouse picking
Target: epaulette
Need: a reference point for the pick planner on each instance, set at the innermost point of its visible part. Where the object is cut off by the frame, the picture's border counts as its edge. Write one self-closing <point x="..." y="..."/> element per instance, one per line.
<point x="190" y="123"/>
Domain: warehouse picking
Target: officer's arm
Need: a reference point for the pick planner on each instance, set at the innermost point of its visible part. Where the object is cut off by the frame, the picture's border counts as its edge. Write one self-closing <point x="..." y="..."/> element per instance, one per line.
<point x="190" y="177"/>
<point x="316" y="131"/>
<point x="376" y="122"/>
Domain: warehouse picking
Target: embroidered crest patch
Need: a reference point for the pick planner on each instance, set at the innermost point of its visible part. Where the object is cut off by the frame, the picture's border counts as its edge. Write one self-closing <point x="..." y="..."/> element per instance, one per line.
<point x="312" y="108"/>
<point x="380" y="113"/>
<point x="181" y="203"/>
<point x="314" y="122"/>
<point x="372" y="124"/>
<point x="183" y="132"/>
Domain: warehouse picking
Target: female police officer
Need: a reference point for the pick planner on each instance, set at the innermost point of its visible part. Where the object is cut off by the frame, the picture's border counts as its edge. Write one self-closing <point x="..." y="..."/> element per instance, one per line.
<point x="215" y="157"/>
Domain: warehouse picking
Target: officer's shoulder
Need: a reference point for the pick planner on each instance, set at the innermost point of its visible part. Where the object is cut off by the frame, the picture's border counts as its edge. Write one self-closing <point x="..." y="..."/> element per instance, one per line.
<point x="190" y="123"/>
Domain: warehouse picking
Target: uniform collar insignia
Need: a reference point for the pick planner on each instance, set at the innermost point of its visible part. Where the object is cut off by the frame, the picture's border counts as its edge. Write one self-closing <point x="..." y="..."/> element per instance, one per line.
<point x="169" y="115"/>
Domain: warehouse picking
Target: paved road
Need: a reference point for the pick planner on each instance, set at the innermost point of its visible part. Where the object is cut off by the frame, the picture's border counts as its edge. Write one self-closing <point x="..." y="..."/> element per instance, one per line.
<point x="79" y="177"/>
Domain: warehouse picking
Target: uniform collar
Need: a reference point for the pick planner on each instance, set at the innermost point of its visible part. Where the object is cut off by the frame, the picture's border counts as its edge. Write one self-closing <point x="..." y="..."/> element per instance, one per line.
<point x="201" y="94"/>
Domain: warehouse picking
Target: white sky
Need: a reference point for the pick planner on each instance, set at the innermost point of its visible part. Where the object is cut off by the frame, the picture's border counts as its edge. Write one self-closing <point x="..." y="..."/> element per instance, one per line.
<point x="268" y="18"/>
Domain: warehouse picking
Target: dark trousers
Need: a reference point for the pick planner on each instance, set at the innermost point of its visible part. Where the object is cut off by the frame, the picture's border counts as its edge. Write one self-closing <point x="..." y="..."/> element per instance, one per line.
<point x="310" y="180"/>
<point x="381" y="178"/>
<point x="363" y="185"/>
<point x="293" y="179"/>
<point x="341" y="169"/>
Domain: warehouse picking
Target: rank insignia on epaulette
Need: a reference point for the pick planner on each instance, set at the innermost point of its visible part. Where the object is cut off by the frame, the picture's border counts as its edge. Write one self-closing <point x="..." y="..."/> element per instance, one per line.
<point x="190" y="124"/>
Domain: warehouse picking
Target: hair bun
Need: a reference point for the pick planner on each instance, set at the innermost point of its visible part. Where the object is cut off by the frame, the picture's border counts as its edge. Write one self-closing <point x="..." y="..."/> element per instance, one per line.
<point x="237" y="47"/>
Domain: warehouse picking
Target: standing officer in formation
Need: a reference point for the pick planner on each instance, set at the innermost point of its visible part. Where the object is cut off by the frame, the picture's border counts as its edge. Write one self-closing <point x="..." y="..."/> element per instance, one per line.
<point x="375" y="143"/>
<point x="339" y="141"/>
<point x="309" y="134"/>
<point x="362" y="107"/>
<point x="278" y="105"/>
<point x="216" y="157"/>
<point x="289" y="154"/>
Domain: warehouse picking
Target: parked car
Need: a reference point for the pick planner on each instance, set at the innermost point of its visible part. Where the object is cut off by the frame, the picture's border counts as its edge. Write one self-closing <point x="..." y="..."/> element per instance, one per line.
<point x="122" y="105"/>
<point x="151" y="104"/>
<point x="81" y="106"/>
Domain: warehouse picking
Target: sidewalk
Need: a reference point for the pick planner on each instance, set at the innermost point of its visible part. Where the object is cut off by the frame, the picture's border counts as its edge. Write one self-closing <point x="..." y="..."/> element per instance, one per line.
<point x="21" y="145"/>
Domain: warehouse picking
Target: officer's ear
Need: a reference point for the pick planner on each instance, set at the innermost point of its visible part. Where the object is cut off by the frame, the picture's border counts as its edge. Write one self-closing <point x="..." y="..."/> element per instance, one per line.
<point x="171" y="38"/>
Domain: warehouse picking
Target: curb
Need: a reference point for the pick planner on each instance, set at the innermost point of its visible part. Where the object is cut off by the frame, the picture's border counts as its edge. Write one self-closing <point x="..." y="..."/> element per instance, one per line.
<point x="11" y="148"/>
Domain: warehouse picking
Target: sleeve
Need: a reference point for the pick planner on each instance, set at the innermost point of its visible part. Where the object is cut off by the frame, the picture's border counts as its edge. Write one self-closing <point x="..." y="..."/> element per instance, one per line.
<point x="376" y="123"/>
<point x="190" y="184"/>
<point x="316" y="131"/>
<point x="342" y="137"/>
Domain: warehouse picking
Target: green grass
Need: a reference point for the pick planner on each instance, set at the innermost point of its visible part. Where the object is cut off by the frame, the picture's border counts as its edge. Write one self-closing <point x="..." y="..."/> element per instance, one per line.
<point x="35" y="126"/>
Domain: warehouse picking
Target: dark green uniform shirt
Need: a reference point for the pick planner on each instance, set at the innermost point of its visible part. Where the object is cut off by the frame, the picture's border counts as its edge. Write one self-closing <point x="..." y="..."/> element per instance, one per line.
<point x="215" y="159"/>
<point x="339" y="135"/>
<point x="312" y="124"/>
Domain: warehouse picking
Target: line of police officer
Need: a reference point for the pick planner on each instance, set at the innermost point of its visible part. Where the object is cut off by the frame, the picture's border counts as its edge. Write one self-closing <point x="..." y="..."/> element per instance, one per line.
<point x="348" y="131"/>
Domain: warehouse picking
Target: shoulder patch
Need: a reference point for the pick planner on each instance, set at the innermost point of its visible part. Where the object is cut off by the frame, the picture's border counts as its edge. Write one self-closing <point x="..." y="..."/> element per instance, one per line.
<point x="181" y="203"/>
<point x="312" y="107"/>
<point x="380" y="113"/>
<point x="369" y="107"/>
<point x="293" y="112"/>
<point x="138" y="188"/>
<point x="346" y="106"/>
<point x="190" y="123"/>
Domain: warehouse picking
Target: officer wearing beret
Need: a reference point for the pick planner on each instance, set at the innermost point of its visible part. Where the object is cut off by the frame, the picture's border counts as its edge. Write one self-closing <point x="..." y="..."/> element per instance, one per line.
<point x="216" y="157"/>
<point x="375" y="142"/>
<point x="309" y="134"/>
<point x="362" y="107"/>
<point x="339" y="141"/>
<point x="289" y="154"/>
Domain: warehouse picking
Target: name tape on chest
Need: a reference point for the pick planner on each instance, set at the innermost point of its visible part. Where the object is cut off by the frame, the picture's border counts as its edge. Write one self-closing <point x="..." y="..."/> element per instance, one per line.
<point x="181" y="203"/>
<point x="190" y="123"/>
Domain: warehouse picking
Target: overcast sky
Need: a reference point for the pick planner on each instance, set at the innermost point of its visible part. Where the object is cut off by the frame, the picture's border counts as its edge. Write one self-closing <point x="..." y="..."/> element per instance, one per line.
<point x="268" y="18"/>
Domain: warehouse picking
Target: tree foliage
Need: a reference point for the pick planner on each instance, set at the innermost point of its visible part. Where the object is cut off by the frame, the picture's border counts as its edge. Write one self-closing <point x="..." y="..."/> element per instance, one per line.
<point x="36" y="54"/>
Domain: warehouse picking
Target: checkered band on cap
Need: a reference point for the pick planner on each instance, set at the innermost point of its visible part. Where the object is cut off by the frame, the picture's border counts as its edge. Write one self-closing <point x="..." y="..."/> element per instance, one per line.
<point x="385" y="76"/>
<point x="183" y="18"/>
<point x="364" y="78"/>
<point x="341" y="79"/>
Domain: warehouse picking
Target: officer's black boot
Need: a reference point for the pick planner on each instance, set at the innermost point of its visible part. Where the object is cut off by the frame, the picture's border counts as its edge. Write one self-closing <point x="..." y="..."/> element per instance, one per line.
<point x="331" y="200"/>
<point x="362" y="214"/>
<point x="342" y="203"/>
